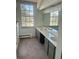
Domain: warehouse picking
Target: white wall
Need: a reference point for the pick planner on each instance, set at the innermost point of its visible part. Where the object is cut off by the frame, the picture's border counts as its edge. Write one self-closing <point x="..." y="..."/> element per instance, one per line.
<point x="17" y="29"/>
<point x="17" y="34"/>
<point x="17" y="18"/>
<point x="38" y="15"/>
<point x="18" y="10"/>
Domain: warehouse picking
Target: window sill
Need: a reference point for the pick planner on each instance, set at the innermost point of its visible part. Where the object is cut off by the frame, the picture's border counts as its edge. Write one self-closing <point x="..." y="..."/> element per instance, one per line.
<point x="28" y="27"/>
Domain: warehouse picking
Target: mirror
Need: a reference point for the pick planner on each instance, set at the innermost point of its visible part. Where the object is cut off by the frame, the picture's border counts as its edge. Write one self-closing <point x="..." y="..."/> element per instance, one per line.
<point x="51" y="19"/>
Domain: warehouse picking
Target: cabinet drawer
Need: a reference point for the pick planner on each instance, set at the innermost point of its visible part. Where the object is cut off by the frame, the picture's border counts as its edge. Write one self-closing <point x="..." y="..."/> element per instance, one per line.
<point x="46" y="45"/>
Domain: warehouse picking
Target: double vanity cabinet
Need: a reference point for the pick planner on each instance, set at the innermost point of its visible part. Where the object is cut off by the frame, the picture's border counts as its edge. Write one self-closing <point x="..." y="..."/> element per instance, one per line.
<point x="49" y="47"/>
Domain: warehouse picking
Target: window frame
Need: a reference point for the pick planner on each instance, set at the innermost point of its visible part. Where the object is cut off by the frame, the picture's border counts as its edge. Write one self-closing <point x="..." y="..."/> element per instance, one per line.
<point x="54" y="18"/>
<point x="29" y="16"/>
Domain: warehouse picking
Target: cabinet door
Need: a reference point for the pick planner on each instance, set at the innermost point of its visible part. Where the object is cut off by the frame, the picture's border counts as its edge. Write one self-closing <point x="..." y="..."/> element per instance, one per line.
<point x="42" y="40"/>
<point x="38" y="35"/>
<point x="51" y="53"/>
<point x="46" y="45"/>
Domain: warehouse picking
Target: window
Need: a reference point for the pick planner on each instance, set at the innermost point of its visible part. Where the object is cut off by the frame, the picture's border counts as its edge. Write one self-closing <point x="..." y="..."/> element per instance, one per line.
<point x="54" y="18"/>
<point x="27" y="17"/>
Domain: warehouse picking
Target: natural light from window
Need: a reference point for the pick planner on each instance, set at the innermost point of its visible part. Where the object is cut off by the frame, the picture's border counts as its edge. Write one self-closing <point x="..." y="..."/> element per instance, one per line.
<point x="54" y="18"/>
<point x="27" y="17"/>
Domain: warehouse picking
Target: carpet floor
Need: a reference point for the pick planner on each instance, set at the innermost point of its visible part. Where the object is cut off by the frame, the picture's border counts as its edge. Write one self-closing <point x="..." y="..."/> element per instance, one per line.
<point x="31" y="49"/>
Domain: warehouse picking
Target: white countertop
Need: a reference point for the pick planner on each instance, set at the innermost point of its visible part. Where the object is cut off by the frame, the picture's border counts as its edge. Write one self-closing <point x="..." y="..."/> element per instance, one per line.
<point x="51" y="35"/>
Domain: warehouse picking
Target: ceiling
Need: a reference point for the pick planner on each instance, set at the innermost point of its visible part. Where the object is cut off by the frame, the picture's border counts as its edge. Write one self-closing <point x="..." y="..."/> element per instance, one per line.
<point x="42" y="4"/>
<point x="47" y="3"/>
<point x="31" y="0"/>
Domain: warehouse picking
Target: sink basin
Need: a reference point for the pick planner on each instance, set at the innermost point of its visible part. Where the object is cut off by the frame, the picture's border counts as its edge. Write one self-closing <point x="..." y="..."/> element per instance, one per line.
<point x="53" y="38"/>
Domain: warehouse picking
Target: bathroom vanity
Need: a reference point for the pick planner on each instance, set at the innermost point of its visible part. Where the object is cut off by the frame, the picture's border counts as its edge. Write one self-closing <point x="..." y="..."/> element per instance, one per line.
<point x="48" y="38"/>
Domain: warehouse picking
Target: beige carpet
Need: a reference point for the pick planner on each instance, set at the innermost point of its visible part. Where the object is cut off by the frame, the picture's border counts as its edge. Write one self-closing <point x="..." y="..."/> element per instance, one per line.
<point x="31" y="49"/>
